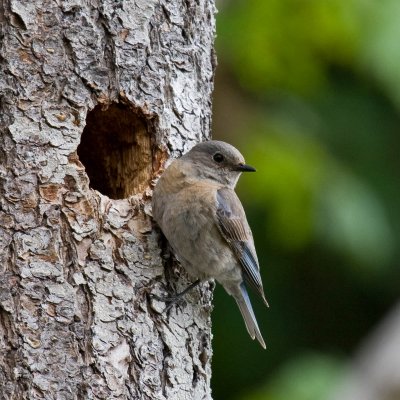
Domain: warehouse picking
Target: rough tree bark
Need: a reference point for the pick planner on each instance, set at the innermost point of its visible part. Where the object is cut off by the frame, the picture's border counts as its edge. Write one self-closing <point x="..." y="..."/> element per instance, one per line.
<point x="374" y="374"/>
<point x="95" y="96"/>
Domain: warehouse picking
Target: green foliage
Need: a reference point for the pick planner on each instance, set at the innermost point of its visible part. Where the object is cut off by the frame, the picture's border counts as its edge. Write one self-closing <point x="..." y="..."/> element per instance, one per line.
<point x="380" y="56"/>
<point x="311" y="197"/>
<point x="308" y="377"/>
<point x="287" y="45"/>
<point x="351" y="219"/>
<point x="313" y="103"/>
<point x="288" y="176"/>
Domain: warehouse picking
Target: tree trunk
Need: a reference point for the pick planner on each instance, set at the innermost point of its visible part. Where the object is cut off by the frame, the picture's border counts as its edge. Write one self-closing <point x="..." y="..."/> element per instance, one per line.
<point x="95" y="97"/>
<point x="374" y="373"/>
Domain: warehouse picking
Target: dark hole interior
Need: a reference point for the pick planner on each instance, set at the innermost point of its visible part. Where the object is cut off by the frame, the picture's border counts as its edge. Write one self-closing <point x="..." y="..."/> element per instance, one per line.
<point x="116" y="151"/>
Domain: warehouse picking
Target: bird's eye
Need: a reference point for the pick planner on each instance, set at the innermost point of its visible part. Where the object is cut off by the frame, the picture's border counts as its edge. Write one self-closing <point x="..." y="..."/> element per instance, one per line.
<point x="218" y="157"/>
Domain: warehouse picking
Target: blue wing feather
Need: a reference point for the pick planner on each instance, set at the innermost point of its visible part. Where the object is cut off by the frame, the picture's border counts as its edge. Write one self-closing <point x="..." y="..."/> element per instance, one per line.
<point x="235" y="229"/>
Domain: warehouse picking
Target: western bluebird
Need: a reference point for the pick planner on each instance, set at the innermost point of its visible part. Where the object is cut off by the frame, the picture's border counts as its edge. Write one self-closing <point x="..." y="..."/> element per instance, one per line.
<point x="197" y="209"/>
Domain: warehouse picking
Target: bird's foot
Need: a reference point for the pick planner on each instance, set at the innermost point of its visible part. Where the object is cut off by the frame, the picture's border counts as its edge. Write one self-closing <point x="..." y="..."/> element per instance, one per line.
<point x="171" y="300"/>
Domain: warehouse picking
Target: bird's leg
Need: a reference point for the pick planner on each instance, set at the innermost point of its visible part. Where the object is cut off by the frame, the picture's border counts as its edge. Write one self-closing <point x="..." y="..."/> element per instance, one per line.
<point x="177" y="296"/>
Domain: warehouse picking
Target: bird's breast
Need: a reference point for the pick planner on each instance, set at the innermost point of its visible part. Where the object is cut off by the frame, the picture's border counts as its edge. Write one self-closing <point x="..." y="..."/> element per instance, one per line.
<point x="189" y="224"/>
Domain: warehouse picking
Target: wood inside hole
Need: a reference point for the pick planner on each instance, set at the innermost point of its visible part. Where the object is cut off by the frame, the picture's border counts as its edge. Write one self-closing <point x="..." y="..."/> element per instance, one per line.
<point x="116" y="151"/>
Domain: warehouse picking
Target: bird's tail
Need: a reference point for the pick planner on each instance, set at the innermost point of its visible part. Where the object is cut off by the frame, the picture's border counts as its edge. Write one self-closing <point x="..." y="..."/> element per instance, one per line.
<point x="243" y="301"/>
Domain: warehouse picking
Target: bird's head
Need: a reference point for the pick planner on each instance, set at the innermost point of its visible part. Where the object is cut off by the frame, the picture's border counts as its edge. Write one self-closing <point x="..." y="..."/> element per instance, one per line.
<point x="218" y="161"/>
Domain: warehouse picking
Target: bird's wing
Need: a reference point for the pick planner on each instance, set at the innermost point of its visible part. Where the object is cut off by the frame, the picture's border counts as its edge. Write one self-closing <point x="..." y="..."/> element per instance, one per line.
<point x="233" y="225"/>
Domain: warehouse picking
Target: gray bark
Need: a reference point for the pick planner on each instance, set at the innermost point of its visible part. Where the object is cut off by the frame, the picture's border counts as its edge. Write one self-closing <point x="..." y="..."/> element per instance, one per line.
<point x="374" y="373"/>
<point x="77" y="265"/>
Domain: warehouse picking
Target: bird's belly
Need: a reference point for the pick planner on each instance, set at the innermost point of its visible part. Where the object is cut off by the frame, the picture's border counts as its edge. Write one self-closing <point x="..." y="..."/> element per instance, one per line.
<point x="189" y="225"/>
<point x="206" y="255"/>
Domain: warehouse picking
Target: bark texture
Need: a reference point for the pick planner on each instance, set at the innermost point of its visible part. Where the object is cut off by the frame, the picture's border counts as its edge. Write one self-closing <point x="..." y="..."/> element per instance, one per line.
<point x="134" y="77"/>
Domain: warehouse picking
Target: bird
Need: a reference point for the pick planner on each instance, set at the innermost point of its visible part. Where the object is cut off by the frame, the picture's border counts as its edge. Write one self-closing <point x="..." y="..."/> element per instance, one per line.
<point x="195" y="205"/>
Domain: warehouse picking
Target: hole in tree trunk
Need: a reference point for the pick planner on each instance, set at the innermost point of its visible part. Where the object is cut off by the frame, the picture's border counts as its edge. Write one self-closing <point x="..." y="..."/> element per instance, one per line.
<point x="116" y="151"/>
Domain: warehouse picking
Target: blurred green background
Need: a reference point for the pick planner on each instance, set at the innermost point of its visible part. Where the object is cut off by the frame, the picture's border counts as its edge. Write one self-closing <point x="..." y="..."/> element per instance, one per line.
<point x="309" y="91"/>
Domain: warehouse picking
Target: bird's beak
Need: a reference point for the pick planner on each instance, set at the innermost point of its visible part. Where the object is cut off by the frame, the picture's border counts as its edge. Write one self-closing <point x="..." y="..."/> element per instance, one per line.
<point x="245" y="168"/>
